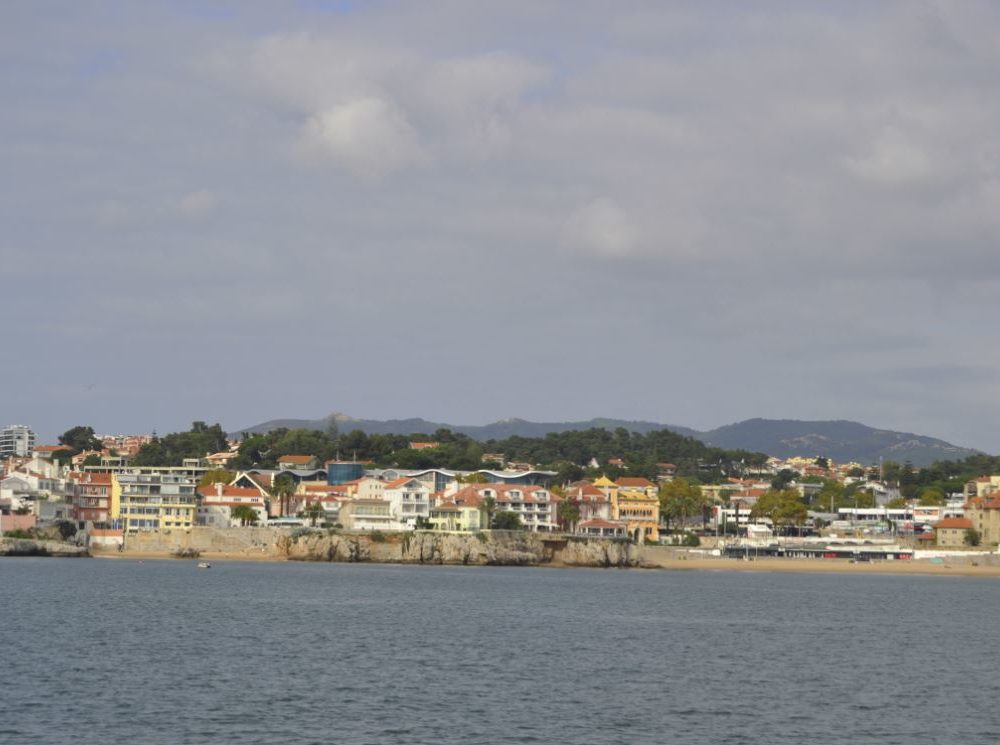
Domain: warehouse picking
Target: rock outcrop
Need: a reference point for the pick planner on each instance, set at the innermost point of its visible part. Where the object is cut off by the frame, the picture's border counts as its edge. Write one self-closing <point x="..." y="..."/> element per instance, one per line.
<point x="30" y="547"/>
<point x="493" y="548"/>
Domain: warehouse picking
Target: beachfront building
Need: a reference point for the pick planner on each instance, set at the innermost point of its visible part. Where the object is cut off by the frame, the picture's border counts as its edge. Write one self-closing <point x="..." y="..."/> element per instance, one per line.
<point x="984" y="514"/>
<point x="634" y="501"/>
<point x="409" y="500"/>
<point x="217" y="501"/>
<point x="367" y="514"/>
<point x="458" y="516"/>
<point x="952" y="532"/>
<point x="601" y="529"/>
<point x="535" y="506"/>
<point x="152" y="501"/>
<point x="91" y="498"/>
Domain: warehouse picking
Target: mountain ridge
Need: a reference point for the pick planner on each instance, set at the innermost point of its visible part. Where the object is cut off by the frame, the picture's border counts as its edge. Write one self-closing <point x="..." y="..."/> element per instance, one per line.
<point x="840" y="439"/>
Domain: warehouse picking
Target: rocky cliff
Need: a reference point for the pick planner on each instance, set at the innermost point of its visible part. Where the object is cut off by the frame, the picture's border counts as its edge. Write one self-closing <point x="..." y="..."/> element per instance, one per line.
<point x="30" y="547"/>
<point x="495" y="548"/>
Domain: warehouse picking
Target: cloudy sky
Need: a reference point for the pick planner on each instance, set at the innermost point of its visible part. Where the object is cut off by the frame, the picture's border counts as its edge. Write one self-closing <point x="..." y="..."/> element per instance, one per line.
<point x="692" y="213"/>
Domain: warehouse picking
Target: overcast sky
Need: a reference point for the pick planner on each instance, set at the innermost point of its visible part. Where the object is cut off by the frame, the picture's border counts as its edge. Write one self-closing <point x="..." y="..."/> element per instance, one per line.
<point x="691" y="213"/>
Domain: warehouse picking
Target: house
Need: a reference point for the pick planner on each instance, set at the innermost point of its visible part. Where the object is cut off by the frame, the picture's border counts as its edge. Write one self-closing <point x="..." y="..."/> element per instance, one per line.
<point x="593" y="503"/>
<point x="634" y="501"/>
<point x="984" y="514"/>
<point x="424" y="445"/>
<point x="459" y="516"/>
<point x="409" y="499"/>
<point x="91" y="498"/>
<point x="367" y="514"/>
<point x="299" y="463"/>
<point x="602" y="529"/>
<point x="952" y="532"/>
<point x="217" y="502"/>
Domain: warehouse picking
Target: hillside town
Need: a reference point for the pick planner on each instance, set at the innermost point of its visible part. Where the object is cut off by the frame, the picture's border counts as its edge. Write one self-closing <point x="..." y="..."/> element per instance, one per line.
<point x="100" y="497"/>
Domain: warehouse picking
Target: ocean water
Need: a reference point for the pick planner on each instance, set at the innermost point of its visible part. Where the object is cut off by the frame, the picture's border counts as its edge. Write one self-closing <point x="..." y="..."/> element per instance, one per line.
<point x="106" y="651"/>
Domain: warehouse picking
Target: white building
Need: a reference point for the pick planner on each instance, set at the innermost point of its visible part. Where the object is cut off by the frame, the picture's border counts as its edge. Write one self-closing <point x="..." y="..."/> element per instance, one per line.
<point x="16" y="440"/>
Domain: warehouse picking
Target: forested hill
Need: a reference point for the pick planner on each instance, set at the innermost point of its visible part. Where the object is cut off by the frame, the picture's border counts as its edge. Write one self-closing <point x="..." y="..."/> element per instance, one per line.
<point x="494" y="431"/>
<point x="569" y="453"/>
<point x="842" y="441"/>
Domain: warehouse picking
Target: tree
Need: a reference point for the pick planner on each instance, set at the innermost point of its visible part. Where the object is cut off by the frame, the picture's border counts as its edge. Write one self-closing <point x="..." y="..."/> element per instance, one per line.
<point x="973" y="537"/>
<point x="92" y="460"/>
<point x="424" y="523"/>
<point x="216" y="476"/>
<point x="679" y="500"/>
<point x="490" y="505"/>
<point x="822" y="462"/>
<point x="931" y="496"/>
<point x="506" y="520"/>
<point x="80" y="438"/>
<point x="283" y="487"/>
<point x="782" y="507"/>
<point x="314" y="512"/>
<point x="569" y="513"/>
<point x="782" y="479"/>
<point x="244" y="513"/>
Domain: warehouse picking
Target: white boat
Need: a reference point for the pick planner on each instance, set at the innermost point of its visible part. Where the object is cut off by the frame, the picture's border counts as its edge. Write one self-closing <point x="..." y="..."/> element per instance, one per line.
<point x="204" y="565"/>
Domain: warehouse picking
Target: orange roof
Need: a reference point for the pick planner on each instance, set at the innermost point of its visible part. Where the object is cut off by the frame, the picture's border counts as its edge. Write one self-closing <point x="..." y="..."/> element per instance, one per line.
<point x="960" y="523"/>
<point x="50" y="448"/>
<point x="295" y="458"/>
<point x="597" y="523"/>
<point x="396" y="483"/>
<point x="635" y="481"/>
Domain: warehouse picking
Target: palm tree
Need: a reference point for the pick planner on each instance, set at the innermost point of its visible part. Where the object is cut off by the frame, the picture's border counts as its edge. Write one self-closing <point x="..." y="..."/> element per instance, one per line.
<point x="314" y="512"/>
<point x="282" y="488"/>
<point x="244" y="513"/>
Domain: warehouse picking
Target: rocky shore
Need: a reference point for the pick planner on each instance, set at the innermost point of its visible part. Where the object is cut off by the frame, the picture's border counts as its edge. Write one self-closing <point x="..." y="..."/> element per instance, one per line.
<point x="493" y="548"/>
<point x="31" y="547"/>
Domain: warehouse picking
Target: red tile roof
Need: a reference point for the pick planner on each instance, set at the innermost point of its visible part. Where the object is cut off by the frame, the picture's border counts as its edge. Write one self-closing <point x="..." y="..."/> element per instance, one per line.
<point x="635" y="482"/>
<point x="959" y="523"/>
<point x="295" y="458"/>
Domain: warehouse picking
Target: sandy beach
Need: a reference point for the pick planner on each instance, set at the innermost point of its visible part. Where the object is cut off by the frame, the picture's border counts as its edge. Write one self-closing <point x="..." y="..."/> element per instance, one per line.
<point x="958" y="567"/>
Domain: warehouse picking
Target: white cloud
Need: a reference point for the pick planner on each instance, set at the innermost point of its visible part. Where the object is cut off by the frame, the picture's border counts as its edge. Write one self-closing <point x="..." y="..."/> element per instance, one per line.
<point x="369" y="136"/>
<point x="602" y="228"/>
<point x="197" y="204"/>
<point x="893" y="160"/>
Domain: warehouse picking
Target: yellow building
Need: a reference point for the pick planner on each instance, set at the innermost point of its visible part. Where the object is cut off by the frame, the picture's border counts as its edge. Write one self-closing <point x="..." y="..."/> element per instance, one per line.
<point x="636" y="502"/>
<point x="141" y="502"/>
<point x="459" y="517"/>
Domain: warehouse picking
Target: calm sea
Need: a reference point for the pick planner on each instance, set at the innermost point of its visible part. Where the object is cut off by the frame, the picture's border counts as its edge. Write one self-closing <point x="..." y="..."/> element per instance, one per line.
<point x="160" y="652"/>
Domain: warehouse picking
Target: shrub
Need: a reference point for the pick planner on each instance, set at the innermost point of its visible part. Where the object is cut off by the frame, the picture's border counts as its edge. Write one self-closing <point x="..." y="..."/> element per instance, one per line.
<point x="691" y="539"/>
<point x="377" y="536"/>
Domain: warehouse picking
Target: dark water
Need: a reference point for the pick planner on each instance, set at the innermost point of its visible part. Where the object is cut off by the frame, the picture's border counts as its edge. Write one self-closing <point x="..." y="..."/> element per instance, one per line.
<point x="161" y="652"/>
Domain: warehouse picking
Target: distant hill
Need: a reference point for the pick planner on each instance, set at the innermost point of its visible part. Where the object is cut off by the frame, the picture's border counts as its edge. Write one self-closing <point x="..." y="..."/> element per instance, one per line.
<point x="840" y="440"/>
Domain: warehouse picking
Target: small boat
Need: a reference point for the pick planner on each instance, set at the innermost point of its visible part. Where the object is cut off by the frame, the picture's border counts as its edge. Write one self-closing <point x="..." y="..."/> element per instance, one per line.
<point x="204" y="565"/>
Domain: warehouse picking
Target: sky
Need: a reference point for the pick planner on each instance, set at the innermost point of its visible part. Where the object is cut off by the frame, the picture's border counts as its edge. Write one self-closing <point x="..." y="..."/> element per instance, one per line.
<point x="692" y="213"/>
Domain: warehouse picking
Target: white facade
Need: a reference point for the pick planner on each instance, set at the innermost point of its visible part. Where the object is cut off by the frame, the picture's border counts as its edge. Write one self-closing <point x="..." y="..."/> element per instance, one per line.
<point x="408" y="501"/>
<point x="16" y="440"/>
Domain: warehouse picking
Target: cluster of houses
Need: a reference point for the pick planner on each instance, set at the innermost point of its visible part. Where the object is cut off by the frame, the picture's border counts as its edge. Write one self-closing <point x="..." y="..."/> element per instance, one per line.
<point x="111" y="498"/>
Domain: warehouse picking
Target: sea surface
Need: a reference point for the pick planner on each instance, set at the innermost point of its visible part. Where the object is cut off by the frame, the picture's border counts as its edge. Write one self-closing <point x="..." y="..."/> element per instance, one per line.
<point x="123" y="651"/>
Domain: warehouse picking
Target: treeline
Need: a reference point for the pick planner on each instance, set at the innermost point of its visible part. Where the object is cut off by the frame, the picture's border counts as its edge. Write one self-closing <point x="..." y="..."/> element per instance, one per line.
<point x="568" y="453"/>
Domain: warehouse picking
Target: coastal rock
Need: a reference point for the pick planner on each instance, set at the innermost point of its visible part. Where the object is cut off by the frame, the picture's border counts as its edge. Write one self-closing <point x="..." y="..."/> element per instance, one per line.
<point x="589" y="552"/>
<point x="492" y="548"/>
<point x="28" y="547"/>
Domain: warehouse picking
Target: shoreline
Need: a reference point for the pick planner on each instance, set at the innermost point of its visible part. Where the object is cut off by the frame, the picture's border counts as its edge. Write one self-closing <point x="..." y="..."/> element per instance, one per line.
<point x="912" y="567"/>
